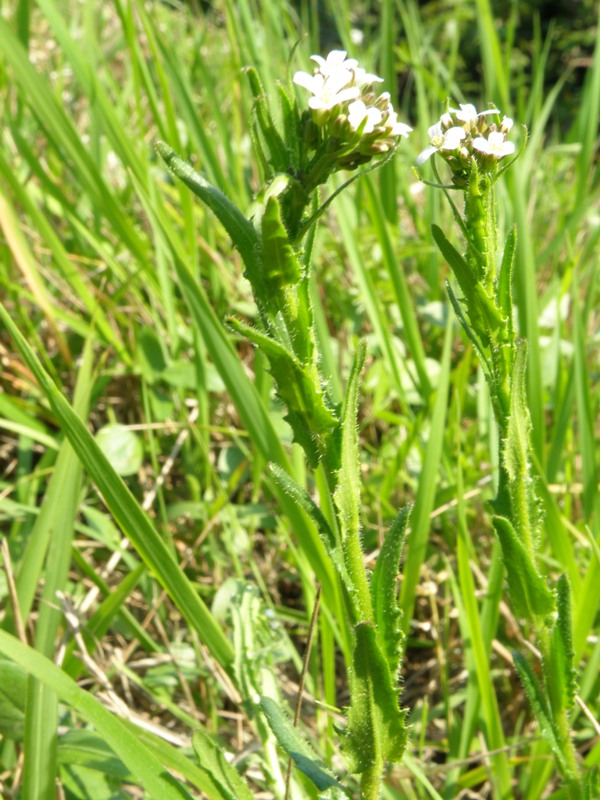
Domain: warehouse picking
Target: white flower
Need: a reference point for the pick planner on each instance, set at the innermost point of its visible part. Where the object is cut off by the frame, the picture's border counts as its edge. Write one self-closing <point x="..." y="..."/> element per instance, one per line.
<point x="467" y="113"/>
<point x="506" y="124"/>
<point x="441" y="140"/>
<point x="358" y="111"/>
<point x="327" y="92"/>
<point x="392" y="126"/>
<point x="495" y="145"/>
<point x="334" y="61"/>
<point x="362" y="77"/>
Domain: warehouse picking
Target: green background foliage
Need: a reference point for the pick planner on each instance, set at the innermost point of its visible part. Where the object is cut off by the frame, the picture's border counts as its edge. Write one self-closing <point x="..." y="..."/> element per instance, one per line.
<point x="120" y="283"/>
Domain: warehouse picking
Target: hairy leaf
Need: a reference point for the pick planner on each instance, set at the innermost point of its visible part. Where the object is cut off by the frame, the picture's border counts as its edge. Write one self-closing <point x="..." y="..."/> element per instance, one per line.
<point x="386" y="609"/>
<point x="211" y="759"/>
<point x="376" y="730"/>
<point x="301" y="497"/>
<point x="482" y="312"/>
<point x="541" y="710"/>
<point x="529" y="593"/>
<point x="517" y="454"/>
<point x="504" y="290"/>
<point x="561" y="676"/>
<point x="278" y="155"/>
<point x="309" y="416"/>
<point x="240" y="229"/>
<point x="297" y="748"/>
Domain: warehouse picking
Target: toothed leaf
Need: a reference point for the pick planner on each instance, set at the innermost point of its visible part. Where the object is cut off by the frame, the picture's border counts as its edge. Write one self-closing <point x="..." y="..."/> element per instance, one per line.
<point x="529" y="594"/>
<point x="561" y="676"/>
<point x="297" y="747"/>
<point x="311" y="420"/>
<point x="211" y="759"/>
<point x="376" y="730"/>
<point x="504" y="291"/>
<point x="536" y="697"/>
<point x="241" y="230"/>
<point x="386" y="609"/>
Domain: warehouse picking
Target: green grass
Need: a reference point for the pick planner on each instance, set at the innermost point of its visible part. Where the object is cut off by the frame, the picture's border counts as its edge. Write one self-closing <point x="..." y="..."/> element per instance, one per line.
<point x="116" y="282"/>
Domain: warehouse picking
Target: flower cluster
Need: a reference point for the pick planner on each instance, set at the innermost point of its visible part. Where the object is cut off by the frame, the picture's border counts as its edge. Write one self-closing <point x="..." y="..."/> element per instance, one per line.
<point x="464" y="134"/>
<point x="346" y="110"/>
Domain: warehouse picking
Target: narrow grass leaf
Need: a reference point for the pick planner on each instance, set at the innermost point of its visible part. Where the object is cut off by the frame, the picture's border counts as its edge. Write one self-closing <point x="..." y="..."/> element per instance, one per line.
<point x="416" y="546"/>
<point x="127" y="512"/>
<point x="142" y="764"/>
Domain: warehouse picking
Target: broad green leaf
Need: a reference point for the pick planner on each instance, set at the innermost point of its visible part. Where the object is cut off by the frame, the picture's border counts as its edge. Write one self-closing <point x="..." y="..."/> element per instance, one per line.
<point x="529" y="593"/>
<point x="376" y="730"/>
<point x="211" y="758"/>
<point x="86" y="748"/>
<point x="297" y="748"/>
<point x="384" y="592"/>
<point x="125" y="509"/>
<point x="122" y="447"/>
<point x="145" y="768"/>
<point x="240" y="229"/>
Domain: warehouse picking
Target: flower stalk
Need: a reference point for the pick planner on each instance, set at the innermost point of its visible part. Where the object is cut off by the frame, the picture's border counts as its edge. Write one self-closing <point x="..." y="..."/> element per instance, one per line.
<point x="473" y="144"/>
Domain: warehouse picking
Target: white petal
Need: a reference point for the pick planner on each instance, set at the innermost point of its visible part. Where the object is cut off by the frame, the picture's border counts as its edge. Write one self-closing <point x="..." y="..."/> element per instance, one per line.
<point x="400" y="129"/>
<point x="466" y="113"/>
<point x="482" y="145"/>
<point x="453" y="138"/>
<point x="435" y="133"/>
<point x="362" y="77"/>
<point x="425" y="154"/>
<point x="314" y="83"/>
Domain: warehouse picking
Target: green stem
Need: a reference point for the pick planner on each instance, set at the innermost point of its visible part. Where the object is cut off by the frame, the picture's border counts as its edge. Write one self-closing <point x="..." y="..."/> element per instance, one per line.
<point x="371" y="780"/>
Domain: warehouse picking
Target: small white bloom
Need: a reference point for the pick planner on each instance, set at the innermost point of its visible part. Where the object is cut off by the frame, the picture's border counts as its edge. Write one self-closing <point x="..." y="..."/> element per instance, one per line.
<point x="441" y="140"/>
<point x="467" y="113"/>
<point x="392" y="126"/>
<point x="358" y="111"/>
<point x="495" y="145"/>
<point x="335" y="60"/>
<point x="506" y="124"/>
<point x="356" y="36"/>
<point x="362" y="77"/>
<point x="327" y="92"/>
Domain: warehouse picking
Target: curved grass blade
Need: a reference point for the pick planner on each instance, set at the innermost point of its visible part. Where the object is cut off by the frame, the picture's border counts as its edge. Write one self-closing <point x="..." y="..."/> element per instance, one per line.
<point x="141" y="763"/>
<point x="125" y="509"/>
